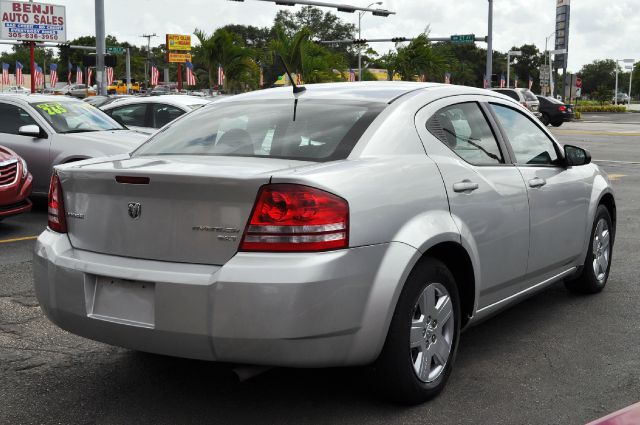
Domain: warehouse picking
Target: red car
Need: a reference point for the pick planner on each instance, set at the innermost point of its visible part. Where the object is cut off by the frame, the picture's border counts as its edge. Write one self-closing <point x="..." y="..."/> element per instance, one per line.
<point x="15" y="184"/>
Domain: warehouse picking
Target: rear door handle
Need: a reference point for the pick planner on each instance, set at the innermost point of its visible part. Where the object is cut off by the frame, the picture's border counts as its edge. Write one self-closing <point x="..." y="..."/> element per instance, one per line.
<point x="537" y="182"/>
<point x="465" y="186"/>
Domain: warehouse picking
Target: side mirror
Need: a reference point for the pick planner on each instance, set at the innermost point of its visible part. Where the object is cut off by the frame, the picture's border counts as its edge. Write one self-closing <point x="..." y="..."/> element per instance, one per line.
<point x="31" y="130"/>
<point x="576" y="156"/>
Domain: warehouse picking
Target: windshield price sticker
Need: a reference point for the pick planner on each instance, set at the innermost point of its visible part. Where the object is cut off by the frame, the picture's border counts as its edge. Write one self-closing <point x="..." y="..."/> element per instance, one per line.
<point x="52" y="108"/>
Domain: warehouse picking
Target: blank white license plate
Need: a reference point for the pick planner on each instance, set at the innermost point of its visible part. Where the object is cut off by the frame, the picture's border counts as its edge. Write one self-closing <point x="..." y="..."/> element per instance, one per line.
<point x="121" y="301"/>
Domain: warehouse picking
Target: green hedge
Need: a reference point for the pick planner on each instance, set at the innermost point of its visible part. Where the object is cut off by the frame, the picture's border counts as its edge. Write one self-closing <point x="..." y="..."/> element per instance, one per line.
<point x="600" y="108"/>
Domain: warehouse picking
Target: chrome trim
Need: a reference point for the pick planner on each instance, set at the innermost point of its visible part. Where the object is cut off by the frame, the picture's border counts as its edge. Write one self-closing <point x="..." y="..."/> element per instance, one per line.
<point x="18" y="170"/>
<point x="548" y="281"/>
<point x="298" y="229"/>
<point x="296" y="239"/>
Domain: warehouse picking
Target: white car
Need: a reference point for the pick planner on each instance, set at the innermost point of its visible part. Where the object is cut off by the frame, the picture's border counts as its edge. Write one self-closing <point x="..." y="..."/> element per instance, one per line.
<point x="17" y="89"/>
<point x="148" y="114"/>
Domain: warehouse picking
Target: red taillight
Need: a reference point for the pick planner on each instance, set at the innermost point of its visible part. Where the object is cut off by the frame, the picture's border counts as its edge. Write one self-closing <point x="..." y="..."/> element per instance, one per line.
<point x="562" y="108"/>
<point x="57" y="221"/>
<point x="295" y="218"/>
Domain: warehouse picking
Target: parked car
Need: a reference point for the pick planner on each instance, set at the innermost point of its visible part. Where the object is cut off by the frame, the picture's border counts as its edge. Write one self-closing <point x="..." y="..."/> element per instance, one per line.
<point x="523" y="96"/>
<point x="15" y="184"/>
<point x="163" y="89"/>
<point x="555" y="112"/>
<point x="148" y="114"/>
<point x="51" y="130"/>
<point x="77" y="90"/>
<point x="16" y="89"/>
<point x="351" y="224"/>
<point x="99" y="100"/>
<point x="621" y="98"/>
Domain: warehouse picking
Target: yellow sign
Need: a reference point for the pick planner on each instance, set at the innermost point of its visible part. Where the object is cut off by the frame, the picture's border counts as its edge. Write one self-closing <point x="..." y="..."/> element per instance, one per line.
<point x="179" y="42"/>
<point x="179" y="57"/>
<point x="52" y="108"/>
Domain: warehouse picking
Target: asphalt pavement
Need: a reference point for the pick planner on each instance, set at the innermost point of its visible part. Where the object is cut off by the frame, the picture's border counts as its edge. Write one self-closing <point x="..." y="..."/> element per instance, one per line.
<point x="553" y="359"/>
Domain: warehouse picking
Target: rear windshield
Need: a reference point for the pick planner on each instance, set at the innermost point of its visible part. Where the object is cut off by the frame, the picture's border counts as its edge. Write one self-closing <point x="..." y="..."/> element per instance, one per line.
<point x="322" y="130"/>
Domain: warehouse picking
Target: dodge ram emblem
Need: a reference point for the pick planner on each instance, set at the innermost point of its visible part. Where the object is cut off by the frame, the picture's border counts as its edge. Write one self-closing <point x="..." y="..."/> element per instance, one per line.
<point x="135" y="210"/>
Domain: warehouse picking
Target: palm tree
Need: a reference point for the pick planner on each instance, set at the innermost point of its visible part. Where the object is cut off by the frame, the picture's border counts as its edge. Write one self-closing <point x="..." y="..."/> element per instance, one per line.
<point x="420" y="59"/>
<point x="291" y="49"/>
<point x="226" y="49"/>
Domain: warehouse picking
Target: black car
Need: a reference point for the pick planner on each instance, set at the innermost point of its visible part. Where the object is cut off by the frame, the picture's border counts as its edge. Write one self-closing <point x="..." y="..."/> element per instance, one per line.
<point x="554" y="112"/>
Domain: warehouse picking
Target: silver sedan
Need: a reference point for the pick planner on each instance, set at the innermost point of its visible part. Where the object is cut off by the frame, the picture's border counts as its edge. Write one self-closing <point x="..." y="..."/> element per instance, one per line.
<point x="350" y="224"/>
<point x="52" y="130"/>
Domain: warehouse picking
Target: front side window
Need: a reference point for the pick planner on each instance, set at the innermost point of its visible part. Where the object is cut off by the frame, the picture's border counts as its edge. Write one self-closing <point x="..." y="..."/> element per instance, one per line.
<point x="464" y="129"/>
<point x="12" y="118"/>
<point x="75" y="117"/>
<point x="530" y="144"/>
<point x="313" y="130"/>
<point x="131" y="115"/>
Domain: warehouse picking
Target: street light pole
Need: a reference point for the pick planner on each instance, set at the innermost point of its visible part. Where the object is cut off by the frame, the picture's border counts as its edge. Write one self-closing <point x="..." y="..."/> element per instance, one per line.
<point x="489" y="68"/>
<point x="147" y="65"/>
<point x="100" y="48"/>
<point x="615" y="95"/>
<point x="633" y="65"/>
<point x="360" y="36"/>
<point x="546" y="52"/>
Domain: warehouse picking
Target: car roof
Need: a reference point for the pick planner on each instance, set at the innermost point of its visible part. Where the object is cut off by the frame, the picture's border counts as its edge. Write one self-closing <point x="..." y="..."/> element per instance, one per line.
<point x="33" y="98"/>
<point x="371" y="91"/>
<point x="179" y="100"/>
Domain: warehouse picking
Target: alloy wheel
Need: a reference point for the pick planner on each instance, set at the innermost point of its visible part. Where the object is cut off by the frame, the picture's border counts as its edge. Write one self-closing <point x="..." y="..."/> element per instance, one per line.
<point x="601" y="250"/>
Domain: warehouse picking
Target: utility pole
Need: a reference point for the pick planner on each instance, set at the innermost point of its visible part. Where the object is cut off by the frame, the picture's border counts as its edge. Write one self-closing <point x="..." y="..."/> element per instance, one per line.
<point x="128" y="70"/>
<point x="489" y="69"/>
<point x="360" y="36"/>
<point x="100" y="48"/>
<point x="147" y="65"/>
<point x="509" y="54"/>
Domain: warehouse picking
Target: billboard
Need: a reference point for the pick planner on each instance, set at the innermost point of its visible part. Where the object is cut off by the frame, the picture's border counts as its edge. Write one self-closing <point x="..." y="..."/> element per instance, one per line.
<point x="32" y="21"/>
<point x="178" y="57"/>
<point x="179" y="42"/>
<point x="563" y="8"/>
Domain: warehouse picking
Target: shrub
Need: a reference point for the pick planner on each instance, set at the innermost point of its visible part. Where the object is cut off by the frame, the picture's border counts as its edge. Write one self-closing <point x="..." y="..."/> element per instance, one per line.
<point x="600" y="108"/>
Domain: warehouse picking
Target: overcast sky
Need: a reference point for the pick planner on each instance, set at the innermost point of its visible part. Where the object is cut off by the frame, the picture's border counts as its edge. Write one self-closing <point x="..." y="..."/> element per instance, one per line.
<point x="599" y="29"/>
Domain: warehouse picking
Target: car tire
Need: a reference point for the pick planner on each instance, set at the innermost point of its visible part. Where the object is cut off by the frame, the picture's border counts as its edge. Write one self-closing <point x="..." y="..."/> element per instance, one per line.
<point x="556" y="124"/>
<point x="428" y="310"/>
<point x="597" y="264"/>
<point x="545" y="119"/>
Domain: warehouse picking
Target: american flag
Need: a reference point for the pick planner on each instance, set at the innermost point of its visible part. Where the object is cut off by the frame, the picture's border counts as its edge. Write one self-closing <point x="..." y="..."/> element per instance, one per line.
<point x="447" y="78"/>
<point x="155" y="75"/>
<point x="19" y="76"/>
<point x="191" y="78"/>
<point x="53" y="74"/>
<point x="89" y="75"/>
<point x="298" y="79"/>
<point x="39" y="75"/>
<point x="70" y="69"/>
<point x="503" y="81"/>
<point x="485" y="82"/>
<point x="5" y="74"/>
<point x="530" y="82"/>
<point x="352" y="75"/>
<point x="79" y="79"/>
<point x="109" y="71"/>
<point x="515" y="83"/>
<point x="220" y="76"/>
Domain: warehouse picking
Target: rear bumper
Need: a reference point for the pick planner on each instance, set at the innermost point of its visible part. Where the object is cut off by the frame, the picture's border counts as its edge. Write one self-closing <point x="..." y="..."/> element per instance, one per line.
<point x="307" y="310"/>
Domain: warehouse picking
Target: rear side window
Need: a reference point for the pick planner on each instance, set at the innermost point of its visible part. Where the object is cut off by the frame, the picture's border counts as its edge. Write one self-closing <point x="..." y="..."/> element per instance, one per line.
<point x="529" y="96"/>
<point x="465" y="130"/>
<point x="530" y="144"/>
<point x="12" y="118"/>
<point x="314" y="130"/>
<point x="164" y="114"/>
<point x="133" y="115"/>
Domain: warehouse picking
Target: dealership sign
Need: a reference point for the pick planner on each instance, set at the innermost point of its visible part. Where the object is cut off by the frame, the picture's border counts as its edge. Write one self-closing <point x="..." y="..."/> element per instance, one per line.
<point x="179" y="42"/>
<point x="32" y="21"/>
<point x="179" y="57"/>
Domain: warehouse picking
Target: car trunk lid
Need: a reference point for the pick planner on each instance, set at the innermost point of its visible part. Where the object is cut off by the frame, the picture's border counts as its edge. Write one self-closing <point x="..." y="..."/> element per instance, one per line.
<point x="167" y="208"/>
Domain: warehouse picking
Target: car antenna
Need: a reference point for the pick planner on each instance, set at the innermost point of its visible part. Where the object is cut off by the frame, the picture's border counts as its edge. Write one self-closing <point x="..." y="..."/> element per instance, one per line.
<point x="297" y="90"/>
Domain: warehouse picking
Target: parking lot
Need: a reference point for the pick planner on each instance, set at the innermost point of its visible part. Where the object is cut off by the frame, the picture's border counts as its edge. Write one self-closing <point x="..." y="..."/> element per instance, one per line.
<point x="553" y="359"/>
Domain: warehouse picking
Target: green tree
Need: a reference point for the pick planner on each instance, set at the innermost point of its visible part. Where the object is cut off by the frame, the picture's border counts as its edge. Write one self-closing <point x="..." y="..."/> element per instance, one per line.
<point x="599" y="73"/>
<point x="418" y="58"/>
<point x="226" y="49"/>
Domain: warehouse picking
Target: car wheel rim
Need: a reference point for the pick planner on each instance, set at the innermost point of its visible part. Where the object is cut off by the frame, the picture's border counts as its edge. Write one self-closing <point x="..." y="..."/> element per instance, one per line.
<point x="601" y="250"/>
<point x="432" y="329"/>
